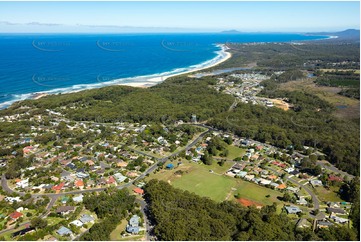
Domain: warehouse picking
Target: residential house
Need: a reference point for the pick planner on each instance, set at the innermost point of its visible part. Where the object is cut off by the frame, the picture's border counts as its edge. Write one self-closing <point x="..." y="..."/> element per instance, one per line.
<point x="58" y="187"/>
<point x="293" y="189"/>
<point x="241" y="174"/>
<point x="339" y="220"/>
<point x="316" y="183"/>
<point x="111" y="180"/>
<point x="138" y="190"/>
<point x="323" y="224"/>
<point x="335" y="210"/>
<point x="122" y="164"/>
<point x="23" y="183"/>
<point x="274" y="185"/>
<point x="71" y="166"/>
<point x="78" y="199"/>
<point x="133" y="225"/>
<point x="82" y="175"/>
<point x="333" y="204"/>
<point x="265" y="181"/>
<point x="272" y="177"/>
<point x="119" y="177"/>
<point x="131" y="174"/>
<point x="289" y="169"/>
<point x="15" y="215"/>
<point x="293" y="209"/>
<point x="301" y="201"/>
<point x="63" y="210"/>
<point x="62" y="231"/>
<point x="85" y="218"/>
<point x="79" y="184"/>
<point x="281" y="186"/>
<point x="335" y="178"/>
<point x="249" y="177"/>
<point x="77" y="223"/>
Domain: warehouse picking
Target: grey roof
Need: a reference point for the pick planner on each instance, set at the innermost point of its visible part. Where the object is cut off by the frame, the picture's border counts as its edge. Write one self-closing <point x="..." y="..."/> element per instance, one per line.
<point x="292" y="209"/>
<point x="134" y="221"/>
<point x="85" y="218"/>
<point x="324" y="223"/>
<point x="131" y="229"/>
<point x="335" y="210"/>
<point x="63" y="231"/>
<point x="64" y="209"/>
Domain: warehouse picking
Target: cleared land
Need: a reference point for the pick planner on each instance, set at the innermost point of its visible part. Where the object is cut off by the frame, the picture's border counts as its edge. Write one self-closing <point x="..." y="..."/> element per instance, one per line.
<point x="350" y="107"/>
<point x="197" y="178"/>
<point x="327" y="195"/>
<point x="256" y="193"/>
<point x="235" y="152"/>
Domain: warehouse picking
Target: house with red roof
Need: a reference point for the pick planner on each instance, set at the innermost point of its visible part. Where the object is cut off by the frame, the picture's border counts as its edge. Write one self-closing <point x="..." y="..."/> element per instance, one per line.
<point x="28" y="149"/>
<point x="138" y="190"/>
<point x="58" y="187"/>
<point x="335" y="178"/>
<point x="15" y="215"/>
<point x="111" y="180"/>
<point x="79" y="184"/>
<point x="281" y="186"/>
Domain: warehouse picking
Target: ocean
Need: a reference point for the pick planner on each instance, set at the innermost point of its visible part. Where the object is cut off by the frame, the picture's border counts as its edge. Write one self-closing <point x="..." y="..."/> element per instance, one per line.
<point x="62" y="63"/>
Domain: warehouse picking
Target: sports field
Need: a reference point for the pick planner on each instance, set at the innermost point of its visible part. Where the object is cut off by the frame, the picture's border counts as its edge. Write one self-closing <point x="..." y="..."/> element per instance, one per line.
<point x="197" y="178"/>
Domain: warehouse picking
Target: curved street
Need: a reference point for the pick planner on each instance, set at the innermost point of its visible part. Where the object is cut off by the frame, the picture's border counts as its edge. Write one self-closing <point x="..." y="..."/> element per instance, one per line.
<point x="54" y="196"/>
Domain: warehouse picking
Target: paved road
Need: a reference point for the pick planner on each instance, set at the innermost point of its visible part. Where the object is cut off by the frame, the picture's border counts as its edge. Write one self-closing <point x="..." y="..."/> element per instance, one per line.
<point x="143" y="208"/>
<point x="334" y="169"/>
<point x="13" y="227"/>
<point x="53" y="196"/>
<point x="316" y="203"/>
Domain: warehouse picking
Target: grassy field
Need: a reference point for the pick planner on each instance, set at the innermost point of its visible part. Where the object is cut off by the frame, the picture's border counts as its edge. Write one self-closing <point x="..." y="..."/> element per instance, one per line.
<point x="328" y="94"/>
<point x="132" y="238"/>
<point x="235" y="152"/>
<point x="256" y="193"/>
<point x="115" y="234"/>
<point x="327" y="195"/>
<point x="206" y="184"/>
<point x="197" y="178"/>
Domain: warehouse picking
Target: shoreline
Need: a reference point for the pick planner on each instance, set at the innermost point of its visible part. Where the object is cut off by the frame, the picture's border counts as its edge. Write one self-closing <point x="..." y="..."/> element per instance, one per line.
<point x="224" y="54"/>
<point x="144" y="81"/>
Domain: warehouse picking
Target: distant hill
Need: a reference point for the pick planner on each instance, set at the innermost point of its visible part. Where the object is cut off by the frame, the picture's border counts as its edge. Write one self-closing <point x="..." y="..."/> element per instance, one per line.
<point x="349" y="34"/>
<point x="232" y="31"/>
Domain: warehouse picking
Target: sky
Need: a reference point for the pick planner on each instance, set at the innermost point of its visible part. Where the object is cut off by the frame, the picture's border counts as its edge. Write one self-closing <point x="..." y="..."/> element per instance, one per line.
<point x="114" y="17"/>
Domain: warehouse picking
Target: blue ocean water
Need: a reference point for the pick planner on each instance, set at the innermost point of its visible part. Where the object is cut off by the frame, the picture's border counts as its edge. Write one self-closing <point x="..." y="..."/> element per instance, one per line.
<point x="60" y="63"/>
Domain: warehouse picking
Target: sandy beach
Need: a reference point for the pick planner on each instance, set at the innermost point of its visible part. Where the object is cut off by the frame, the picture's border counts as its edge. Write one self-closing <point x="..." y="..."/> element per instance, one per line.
<point x="155" y="80"/>
<point x="148" y="82"/>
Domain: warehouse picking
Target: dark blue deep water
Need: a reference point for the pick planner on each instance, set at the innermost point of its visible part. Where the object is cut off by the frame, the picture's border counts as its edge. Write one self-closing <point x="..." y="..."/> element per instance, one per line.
<point x="59" y="63"/>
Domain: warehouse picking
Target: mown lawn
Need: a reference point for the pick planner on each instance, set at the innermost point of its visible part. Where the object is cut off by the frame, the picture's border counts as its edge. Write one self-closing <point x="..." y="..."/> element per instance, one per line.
<point x="197" y="178"/>
<point x="256" y="192"/>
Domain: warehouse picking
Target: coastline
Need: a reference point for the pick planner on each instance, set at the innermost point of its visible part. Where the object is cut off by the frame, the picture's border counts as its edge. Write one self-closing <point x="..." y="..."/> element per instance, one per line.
<point x="139" y="81"/>
<point x="156" y="80"/>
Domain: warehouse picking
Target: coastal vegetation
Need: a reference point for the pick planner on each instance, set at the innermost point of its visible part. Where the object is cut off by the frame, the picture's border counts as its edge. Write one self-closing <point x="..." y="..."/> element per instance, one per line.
<point x="109" y="127"/>
<point x="111" y="207"/>
<point x="310" y="123"/>
<point x="181" y="215"/>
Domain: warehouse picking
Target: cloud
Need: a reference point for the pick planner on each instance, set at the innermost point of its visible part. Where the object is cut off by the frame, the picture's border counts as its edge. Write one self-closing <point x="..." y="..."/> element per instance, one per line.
<point x="43" y="24"/>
